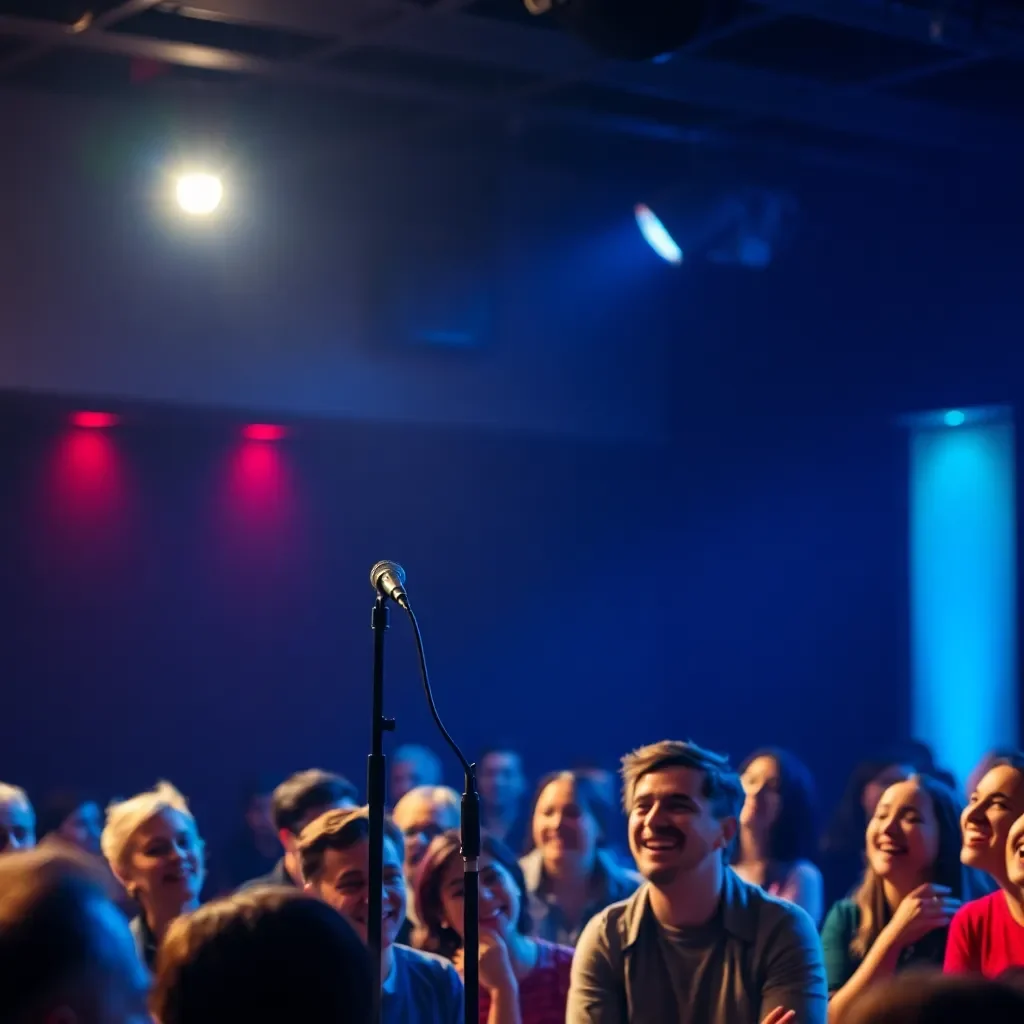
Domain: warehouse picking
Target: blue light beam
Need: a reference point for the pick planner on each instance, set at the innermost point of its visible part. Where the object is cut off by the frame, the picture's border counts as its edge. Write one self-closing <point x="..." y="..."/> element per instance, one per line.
<point x="963" y="577"/>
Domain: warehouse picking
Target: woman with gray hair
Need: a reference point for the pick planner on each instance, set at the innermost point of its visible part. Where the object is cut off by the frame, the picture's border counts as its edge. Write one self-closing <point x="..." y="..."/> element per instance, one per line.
<point x="153" y="847"/>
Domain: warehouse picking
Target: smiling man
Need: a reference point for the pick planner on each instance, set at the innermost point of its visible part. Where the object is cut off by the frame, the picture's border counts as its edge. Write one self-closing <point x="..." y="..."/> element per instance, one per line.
<point x="335" y="855"/>
<point x="696" y="942"/>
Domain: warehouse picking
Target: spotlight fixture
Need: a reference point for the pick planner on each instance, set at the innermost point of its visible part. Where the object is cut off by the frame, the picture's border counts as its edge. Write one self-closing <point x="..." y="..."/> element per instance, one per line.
<point x="636" y="29"/>
<point x="656" y="235"/>
<point x="728" y="226"/>
<point x="264" y="432"/>
<point x="954" y="418"/>
<point x="199" y="194"/>
<point x="88" y="420"/>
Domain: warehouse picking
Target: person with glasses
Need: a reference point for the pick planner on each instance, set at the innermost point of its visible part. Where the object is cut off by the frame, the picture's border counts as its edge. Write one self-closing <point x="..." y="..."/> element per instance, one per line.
<point x="422" y="814"/>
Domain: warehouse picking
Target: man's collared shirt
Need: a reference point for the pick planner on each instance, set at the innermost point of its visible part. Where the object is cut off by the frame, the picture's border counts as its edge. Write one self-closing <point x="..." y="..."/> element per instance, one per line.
<point x="759" y="954"/>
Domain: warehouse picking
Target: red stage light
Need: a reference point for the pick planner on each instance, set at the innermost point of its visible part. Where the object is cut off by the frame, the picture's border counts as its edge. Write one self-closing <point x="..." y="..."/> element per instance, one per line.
<point x="264" y="432"/>
<point x="93" y="420"/>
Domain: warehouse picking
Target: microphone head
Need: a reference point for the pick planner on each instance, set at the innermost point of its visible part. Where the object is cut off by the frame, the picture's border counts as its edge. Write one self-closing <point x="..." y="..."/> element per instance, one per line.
<point x="382" y="569"/>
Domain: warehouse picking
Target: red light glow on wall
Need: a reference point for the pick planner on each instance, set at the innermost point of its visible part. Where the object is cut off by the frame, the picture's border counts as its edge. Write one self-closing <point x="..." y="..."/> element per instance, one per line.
<point x="260" y="550"/>
<point x="264" y="432"/>
<point x="94" y="420"/>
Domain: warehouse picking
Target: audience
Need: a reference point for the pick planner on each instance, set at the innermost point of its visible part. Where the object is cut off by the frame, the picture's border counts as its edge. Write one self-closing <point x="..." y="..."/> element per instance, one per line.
<point x="335" y="855"/>
<point x="152" y="845"/>
<point x="265" y="956"/>
<point x="74" y="818"/>
<point x="569" y="874"/>
<point x="296" y="802"/>
<point x="697" y="942"/>
<point x="502" y="787"/>
<point x="915" y="998"/>
<point x="66" y="954"/>
<point x="911" y="888"/>
<point x="717" y="925"/>
<point x="987" y="936"/>
<point x="420" y="815"/>
<point x="523" y="980"/>
<point x="255" y="849"/>
<point x="413" y="766"/>
<point x="986" y="764"/>
<point x="17" y="819"/>
<point x="842" y="845"/>
<point x="777" y="833"/>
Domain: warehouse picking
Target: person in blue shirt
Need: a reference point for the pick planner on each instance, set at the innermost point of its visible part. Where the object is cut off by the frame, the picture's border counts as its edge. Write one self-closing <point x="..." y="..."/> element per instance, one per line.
<point x="334" y="853"/>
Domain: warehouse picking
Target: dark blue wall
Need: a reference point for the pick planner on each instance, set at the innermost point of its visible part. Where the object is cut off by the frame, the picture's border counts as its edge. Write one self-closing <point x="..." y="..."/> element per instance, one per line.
<point x="178" y="602"/>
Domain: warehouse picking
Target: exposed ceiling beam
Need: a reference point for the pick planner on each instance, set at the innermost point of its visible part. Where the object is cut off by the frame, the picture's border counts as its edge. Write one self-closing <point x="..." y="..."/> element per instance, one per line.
<point x="210" y="58"/>
<point x="918" y="24"/>
<point x="109" y="18"/>
<point x="703" y="83"/>
<point x="687" y="79"/>
<point x="940" y="28"/>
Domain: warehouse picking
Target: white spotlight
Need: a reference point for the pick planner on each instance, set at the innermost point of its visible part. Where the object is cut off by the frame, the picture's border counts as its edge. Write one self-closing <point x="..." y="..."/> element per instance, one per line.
<point x="199" y="194"/>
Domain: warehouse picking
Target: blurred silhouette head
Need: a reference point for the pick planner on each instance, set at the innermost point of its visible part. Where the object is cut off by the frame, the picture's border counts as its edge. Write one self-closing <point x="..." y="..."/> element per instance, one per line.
<point x="66" y="953"/>
<point x="263" y="957"/>
<point x="412" y="766"/>
<point x="17" y="819"/>
<point x="915" y="997"/>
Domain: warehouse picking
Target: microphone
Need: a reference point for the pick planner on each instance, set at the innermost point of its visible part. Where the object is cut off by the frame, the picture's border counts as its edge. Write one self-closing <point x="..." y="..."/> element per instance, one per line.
<point x="388" y="579"/>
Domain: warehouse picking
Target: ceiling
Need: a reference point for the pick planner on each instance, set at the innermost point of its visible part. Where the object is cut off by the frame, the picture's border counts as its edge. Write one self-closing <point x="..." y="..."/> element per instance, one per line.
<point x="832" y="80"/>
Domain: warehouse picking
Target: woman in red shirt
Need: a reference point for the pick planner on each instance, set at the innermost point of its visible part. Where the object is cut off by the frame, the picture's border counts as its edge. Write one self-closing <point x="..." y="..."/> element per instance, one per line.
<point x="986" y="936"/>
<point x="523" y="980"/>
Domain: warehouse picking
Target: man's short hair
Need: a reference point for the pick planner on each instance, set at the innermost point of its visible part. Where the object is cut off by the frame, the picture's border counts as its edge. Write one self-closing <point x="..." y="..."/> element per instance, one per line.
<point x="263" y="956"/>
<point x="304" y="793"/>
<point x="340" y="830"/>
<point x="46" y="935"/>
<point x="722" y="785"/>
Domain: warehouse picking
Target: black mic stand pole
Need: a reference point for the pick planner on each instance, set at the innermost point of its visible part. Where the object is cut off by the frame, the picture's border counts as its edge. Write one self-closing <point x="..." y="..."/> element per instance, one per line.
<point x="471" y="901"/>
<point x="376" y="792"/>
<point x="388" y="578"/>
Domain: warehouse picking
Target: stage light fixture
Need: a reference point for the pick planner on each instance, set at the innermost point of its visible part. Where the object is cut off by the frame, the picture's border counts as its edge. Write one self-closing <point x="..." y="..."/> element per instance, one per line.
<point x="636" y="29"/>
<point x="264" y="432"/>
<point x="199" y="194"/>
<point x="656" y="235"/>
<point x="89" y="420"/>
<point x="954" y="418"/>
<point x="730" y="226"/>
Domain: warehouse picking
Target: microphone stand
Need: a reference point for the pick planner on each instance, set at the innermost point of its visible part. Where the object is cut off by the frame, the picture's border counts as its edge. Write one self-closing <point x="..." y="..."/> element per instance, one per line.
<point x="376" y="793"/>
<point x="377" y="797"/>
<point x="471" y="903"/>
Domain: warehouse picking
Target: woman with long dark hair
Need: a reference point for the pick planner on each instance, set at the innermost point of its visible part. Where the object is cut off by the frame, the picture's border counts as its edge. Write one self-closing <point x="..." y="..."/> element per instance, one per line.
<point x="523" y="980"/>
<point x="778" y="831"/>
<point x="913" y="884"/>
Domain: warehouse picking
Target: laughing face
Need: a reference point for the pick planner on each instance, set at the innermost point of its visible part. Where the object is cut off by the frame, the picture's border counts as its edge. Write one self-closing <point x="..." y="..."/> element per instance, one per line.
<point x="166" y="867"/>
<point x="344" y="883"/>
<point x="564" y="830"/>
<point x="672" y="828"/>
<point x="500" y="901"/>
<point x="903" y="835"/>
<point x="996" y="803"/>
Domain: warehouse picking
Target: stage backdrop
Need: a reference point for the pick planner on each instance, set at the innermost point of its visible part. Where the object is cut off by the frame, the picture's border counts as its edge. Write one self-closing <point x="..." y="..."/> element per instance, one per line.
<point x="180" y="602"/>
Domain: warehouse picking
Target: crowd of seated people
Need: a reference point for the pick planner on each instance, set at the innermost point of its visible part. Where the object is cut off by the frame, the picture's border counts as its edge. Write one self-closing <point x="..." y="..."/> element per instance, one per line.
<point x="712" y="914"/>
